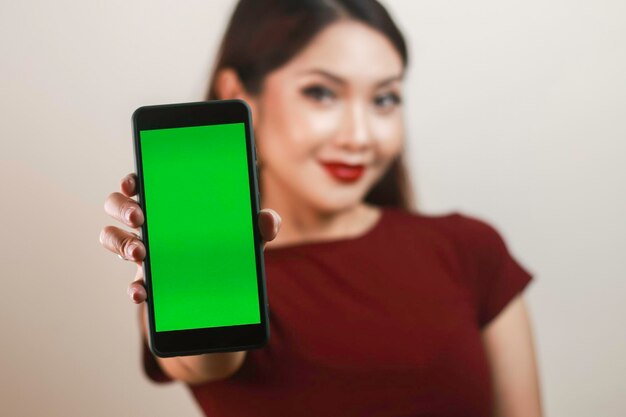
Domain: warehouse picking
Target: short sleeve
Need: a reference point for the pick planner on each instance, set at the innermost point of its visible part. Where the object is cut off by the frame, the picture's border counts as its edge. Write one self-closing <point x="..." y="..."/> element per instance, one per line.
<point x="496" y="277"/>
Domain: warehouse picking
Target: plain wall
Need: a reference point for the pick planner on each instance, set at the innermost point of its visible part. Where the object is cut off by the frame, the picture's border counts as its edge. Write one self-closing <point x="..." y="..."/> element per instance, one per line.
<point x="515" y="114"/>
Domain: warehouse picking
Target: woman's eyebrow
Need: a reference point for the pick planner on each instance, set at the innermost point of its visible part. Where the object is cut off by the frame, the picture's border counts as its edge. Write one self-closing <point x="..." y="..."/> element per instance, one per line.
<point x="388" y="81"/>
<point x="340" y="80"/>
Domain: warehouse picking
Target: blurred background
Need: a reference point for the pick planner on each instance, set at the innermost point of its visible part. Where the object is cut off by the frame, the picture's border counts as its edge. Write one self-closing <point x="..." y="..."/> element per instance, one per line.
<point x="516" y="113"/>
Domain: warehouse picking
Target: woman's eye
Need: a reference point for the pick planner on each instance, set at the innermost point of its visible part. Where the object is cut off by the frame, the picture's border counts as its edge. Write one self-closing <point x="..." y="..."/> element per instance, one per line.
<point x="318" y="93"/>
<point x="387" y="100"/>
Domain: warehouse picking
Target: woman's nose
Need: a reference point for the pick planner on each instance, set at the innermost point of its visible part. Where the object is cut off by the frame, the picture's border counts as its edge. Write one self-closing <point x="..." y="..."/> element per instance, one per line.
<point x="355" y="133"/>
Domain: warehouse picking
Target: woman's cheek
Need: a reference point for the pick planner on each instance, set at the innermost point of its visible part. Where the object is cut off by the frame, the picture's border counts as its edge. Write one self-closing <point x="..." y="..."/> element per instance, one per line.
<point x="389" y="133"/>
<point x="314" y="127"/>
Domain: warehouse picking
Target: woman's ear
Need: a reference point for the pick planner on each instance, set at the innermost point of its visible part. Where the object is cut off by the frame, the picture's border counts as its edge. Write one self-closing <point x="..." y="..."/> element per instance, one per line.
<point x="229" y="86"/>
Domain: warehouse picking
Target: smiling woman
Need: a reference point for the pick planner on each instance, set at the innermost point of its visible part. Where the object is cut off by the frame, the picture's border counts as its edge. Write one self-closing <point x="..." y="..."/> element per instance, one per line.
<point x="304" y="138"/>
<point x="262" y="56"/>
<point x="376" y="309"/>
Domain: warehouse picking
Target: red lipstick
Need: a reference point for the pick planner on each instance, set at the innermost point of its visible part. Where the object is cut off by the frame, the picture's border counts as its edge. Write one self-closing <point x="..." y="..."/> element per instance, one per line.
<point x="344" y="172"/>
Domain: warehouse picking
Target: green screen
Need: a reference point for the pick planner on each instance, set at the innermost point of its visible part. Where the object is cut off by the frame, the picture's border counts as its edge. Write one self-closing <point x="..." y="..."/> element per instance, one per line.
<point x="199" y="225"/>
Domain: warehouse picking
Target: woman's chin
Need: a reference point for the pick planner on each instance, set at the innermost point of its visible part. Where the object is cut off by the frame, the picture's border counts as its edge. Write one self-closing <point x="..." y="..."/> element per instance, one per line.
<point x="343" y="202"/>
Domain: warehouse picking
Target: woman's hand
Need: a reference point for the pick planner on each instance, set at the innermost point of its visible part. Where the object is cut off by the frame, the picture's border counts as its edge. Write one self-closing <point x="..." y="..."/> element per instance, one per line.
<point x="128" y="245"/>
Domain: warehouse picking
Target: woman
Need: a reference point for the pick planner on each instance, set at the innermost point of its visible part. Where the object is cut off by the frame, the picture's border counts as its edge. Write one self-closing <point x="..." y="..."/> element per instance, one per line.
<point x="375" y="308"/>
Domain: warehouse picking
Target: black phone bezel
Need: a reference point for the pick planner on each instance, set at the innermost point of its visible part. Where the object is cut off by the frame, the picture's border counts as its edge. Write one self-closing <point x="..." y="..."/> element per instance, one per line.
<point x="214" y="339"/>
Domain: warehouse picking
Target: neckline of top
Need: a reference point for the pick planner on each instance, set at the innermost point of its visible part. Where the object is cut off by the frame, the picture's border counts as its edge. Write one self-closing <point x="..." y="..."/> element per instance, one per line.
<point x="384" y="214"/>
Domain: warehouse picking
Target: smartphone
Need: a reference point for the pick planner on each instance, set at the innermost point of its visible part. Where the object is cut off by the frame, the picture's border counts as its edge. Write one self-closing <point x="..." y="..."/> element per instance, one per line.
<point x="198" y="189"/>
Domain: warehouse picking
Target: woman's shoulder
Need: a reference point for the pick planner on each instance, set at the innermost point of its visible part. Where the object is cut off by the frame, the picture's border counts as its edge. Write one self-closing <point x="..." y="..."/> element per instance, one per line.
<point x="477" y="241"/>
<point x="452" y="222"/>
<point x="469" y="233"/>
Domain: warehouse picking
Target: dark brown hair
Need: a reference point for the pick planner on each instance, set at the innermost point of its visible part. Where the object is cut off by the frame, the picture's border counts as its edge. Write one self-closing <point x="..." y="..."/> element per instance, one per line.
<point x="262" y="35"/>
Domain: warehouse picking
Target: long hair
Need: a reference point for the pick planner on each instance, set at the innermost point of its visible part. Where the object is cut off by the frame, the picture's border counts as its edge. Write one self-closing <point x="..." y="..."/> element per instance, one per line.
<point x="262" y="35"/>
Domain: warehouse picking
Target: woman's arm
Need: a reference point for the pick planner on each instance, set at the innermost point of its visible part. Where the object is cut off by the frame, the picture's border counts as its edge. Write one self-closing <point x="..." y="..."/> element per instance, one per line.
<point x="198" y="369"/>
<point x="510" y="351"/>
<point x="121" y="206"/>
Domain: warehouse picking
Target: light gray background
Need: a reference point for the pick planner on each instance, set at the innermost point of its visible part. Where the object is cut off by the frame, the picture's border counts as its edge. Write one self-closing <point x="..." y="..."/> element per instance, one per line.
<point x="516" y="114"/>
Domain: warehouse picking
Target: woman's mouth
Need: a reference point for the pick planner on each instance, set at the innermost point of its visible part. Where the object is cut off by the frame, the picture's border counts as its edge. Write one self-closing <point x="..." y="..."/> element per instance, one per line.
<point x="344" y="172"/>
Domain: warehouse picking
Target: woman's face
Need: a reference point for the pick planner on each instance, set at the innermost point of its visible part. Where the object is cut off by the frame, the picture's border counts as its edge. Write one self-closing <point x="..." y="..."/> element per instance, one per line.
<point x="329" y="122"/>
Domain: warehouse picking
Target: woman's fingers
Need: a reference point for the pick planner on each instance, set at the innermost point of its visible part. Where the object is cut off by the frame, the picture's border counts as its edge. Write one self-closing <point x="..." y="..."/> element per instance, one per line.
<point x="269" y="224"/>
<point x="124" y="209"/>
<point x="125" y="244"/>
<point x="136" y="290"/>
<point x="129" y="185"/>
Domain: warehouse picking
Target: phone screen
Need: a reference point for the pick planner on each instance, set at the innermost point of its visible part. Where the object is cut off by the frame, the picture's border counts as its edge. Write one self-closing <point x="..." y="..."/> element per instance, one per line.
<point x="199" y="227"/>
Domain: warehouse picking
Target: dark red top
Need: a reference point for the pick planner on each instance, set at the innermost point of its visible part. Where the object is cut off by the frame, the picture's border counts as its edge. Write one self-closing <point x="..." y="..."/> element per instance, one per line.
<point x="384" y="324"/>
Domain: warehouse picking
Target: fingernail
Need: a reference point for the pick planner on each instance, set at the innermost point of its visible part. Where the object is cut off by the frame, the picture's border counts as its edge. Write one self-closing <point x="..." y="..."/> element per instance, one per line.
<point x="131" y="182"/>
<point x="128" y="213"/>
<point x="130" y="249"/>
